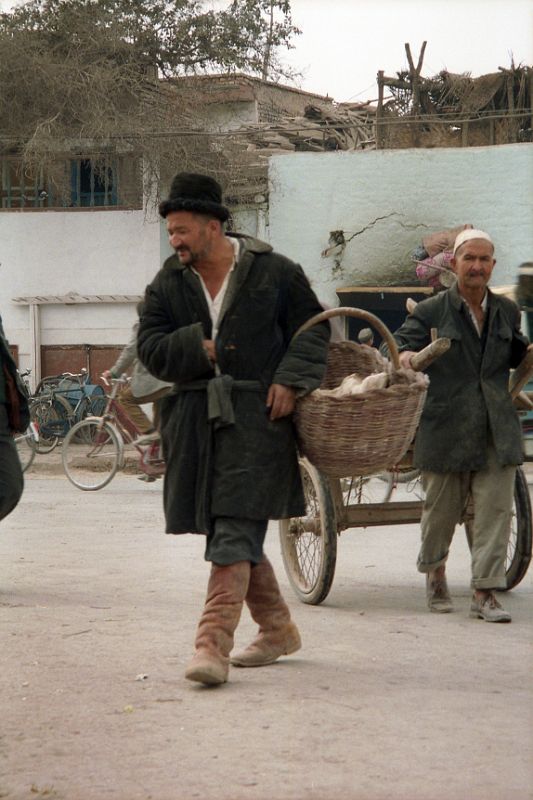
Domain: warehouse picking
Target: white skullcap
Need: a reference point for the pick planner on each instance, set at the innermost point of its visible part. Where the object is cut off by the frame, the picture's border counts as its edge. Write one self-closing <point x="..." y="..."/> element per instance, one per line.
<point x="470" y="233"/>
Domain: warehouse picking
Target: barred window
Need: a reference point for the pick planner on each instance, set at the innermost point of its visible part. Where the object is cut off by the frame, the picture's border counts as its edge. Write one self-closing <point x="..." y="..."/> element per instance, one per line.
<point x="80" y="182"/>
<point x="22" y="187"/>
<point x="92" y="185"/>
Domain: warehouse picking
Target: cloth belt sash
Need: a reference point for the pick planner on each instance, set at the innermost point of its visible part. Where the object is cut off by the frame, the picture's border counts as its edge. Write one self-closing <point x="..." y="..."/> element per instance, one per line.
<point x="220" y="414"/>
<point x="220" y="410"/>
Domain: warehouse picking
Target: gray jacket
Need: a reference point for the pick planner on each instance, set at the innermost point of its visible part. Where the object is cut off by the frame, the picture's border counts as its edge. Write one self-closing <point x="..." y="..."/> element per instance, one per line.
<point x="143" y="382"/>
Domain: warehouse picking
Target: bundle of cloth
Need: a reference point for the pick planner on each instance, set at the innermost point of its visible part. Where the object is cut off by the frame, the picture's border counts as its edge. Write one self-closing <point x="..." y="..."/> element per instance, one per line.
<point x="354" y="384"/>
<point x="433" y="257"/>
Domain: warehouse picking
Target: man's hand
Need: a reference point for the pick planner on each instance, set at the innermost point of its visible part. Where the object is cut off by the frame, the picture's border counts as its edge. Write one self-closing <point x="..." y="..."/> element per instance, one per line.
<point x="405" y="358"/>
<point x="209" y="347"/>
<point x="280" y="400"/>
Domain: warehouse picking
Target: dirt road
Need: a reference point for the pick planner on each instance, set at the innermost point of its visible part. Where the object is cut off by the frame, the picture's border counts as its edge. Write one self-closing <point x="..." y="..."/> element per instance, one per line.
<point x="385" y="702"/>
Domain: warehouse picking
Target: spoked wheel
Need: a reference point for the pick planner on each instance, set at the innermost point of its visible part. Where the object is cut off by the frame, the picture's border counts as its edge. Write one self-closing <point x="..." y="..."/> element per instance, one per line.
<point x="368" y="488"/>
<point x="410" y="481"/>
<point x="87" y="409"/>
<point x="91" y="454"/>
<point x="519" y="547"/>
<point x="309" y="544"/>
<point x="26" y="448"/>
<point x="43" y="414"/>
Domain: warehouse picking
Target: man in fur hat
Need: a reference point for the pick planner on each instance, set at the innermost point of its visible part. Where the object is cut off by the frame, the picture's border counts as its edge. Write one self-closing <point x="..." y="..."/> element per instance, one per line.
<point x="218" y="322"/>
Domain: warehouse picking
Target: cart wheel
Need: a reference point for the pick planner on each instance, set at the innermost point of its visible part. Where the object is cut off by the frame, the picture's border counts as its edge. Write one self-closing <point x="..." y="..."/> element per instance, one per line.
<point x="519" y="547"/>
<point x="309" y="544"/>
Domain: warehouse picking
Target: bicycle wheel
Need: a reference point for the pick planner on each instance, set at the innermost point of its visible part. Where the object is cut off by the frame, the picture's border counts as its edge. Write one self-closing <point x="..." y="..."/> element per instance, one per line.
<point x="91" y="454"/>
<point x="411" y="482"/>
<point x="519" y="546"/>
<point x="407" y="475"/>
<point x="518" y="554"/>
<point x="368" y="488"/>
<point x="44" y="414"/>
<point x="97" y="404"/>
<point x="309" y="544"/>
<point x="84" y="410"/>
<point x="26" y="448"/>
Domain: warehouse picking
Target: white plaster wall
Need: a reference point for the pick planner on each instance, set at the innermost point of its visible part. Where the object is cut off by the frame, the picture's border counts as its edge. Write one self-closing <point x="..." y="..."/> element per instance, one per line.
<point x="394" y="197"/>
<point x="230" y="116"/>
<point x="88" y="252"/>
<point x="54" y="253"/>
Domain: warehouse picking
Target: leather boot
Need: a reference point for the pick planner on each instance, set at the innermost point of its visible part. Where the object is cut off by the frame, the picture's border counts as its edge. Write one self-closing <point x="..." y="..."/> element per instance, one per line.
<point x="226" y="591"/>
<point x="278" y="635"/>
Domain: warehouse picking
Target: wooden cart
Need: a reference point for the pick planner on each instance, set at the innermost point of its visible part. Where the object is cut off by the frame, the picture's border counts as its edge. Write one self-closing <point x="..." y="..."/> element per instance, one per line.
<point x="334" y="505"/>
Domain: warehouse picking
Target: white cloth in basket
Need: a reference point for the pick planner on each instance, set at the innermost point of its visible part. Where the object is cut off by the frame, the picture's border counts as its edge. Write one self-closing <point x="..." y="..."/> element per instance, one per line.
<point x="353" y="384"/>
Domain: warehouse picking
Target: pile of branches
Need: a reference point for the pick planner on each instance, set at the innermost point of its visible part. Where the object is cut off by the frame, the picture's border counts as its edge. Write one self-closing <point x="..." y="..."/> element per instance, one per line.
<point x="342" y="127"/>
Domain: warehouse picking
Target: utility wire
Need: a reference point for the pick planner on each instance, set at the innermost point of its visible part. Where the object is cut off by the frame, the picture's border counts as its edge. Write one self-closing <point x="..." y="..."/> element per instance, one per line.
<point x="422" y="119"/>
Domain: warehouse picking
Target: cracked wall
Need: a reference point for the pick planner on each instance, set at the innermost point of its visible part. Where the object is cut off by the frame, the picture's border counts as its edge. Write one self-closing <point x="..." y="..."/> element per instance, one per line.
<point x="353" y="219"/>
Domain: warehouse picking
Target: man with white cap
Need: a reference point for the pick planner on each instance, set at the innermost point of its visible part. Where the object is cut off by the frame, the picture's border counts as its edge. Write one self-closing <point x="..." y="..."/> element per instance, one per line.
<point x="469" y="440"/>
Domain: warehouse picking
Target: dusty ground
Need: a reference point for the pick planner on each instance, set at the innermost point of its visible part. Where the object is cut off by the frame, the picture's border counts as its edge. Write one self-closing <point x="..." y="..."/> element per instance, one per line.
<point x="385" y="702"/>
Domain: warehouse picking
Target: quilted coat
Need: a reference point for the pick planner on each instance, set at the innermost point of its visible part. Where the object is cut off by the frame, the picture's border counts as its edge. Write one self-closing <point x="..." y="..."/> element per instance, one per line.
<point x="224" y="456"/>
<point x="468" y="399"/>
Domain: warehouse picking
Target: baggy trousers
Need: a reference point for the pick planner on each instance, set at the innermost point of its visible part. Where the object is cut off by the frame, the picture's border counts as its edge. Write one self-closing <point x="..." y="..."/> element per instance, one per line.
<point x="447" y="495"/>
<point x="132" y="407"/>
<point x="234" y="539"/>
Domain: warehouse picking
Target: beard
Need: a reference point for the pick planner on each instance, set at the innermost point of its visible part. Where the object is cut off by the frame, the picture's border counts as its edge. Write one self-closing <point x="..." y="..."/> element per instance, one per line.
<point x="191" y="258"/>
<point x="186" y="256"/>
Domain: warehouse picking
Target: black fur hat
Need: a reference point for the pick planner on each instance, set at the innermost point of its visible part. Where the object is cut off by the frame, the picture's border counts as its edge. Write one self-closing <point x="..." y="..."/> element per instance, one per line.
<point x="200" y="194"/>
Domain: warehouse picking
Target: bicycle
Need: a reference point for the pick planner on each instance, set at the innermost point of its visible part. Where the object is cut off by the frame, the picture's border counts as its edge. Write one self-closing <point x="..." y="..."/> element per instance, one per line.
<point x="61" y="401"/>
<point x="26" y="444"/>
<point x="94" y="449"/>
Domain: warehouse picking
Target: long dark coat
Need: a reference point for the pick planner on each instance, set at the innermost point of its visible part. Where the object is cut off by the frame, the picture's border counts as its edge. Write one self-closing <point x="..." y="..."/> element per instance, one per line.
<point x="7" y="360"/>
<point x="468" y="395"/>
<point x="224" y="456"/>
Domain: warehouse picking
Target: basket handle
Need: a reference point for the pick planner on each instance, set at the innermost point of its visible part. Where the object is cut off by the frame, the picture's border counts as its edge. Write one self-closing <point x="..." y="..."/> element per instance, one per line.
<point x="347" y="311"/>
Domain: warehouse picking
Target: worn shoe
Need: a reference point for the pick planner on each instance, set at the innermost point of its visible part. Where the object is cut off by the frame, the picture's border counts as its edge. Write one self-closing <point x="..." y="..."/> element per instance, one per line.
<point x="147" y="438"/>
<point x="489" y="609"/>
<point x="269" y="647"/>
<point x="277" y="635"/>
<point x="226" y="590"/>
<point x="437" y="594"/>
<point x="208" y="668"/>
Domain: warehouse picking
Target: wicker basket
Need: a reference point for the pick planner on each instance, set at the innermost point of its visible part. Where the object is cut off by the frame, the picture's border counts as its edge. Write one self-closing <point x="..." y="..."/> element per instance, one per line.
<point x="363" y="433"/>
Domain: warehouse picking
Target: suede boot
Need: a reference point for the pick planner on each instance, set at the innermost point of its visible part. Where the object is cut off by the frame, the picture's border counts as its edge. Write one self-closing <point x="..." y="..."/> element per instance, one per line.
<point x="226" y="591"/>
<point x="278" y="635"/>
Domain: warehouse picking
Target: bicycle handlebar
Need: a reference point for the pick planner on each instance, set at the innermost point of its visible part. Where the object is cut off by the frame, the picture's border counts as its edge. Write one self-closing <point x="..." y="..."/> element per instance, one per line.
<point x="81" y="374"/>
<point x="122" y="379"/>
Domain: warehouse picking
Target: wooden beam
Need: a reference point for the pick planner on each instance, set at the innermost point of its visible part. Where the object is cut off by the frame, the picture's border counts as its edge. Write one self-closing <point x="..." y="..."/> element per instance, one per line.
<point x="76" y="299"/>
<point x="415" y="74"/>
<point x="379" y="111"/>
<point x="35" y="345"/>
<point x="512" y="137"/>
<point x="374" y="514"/>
